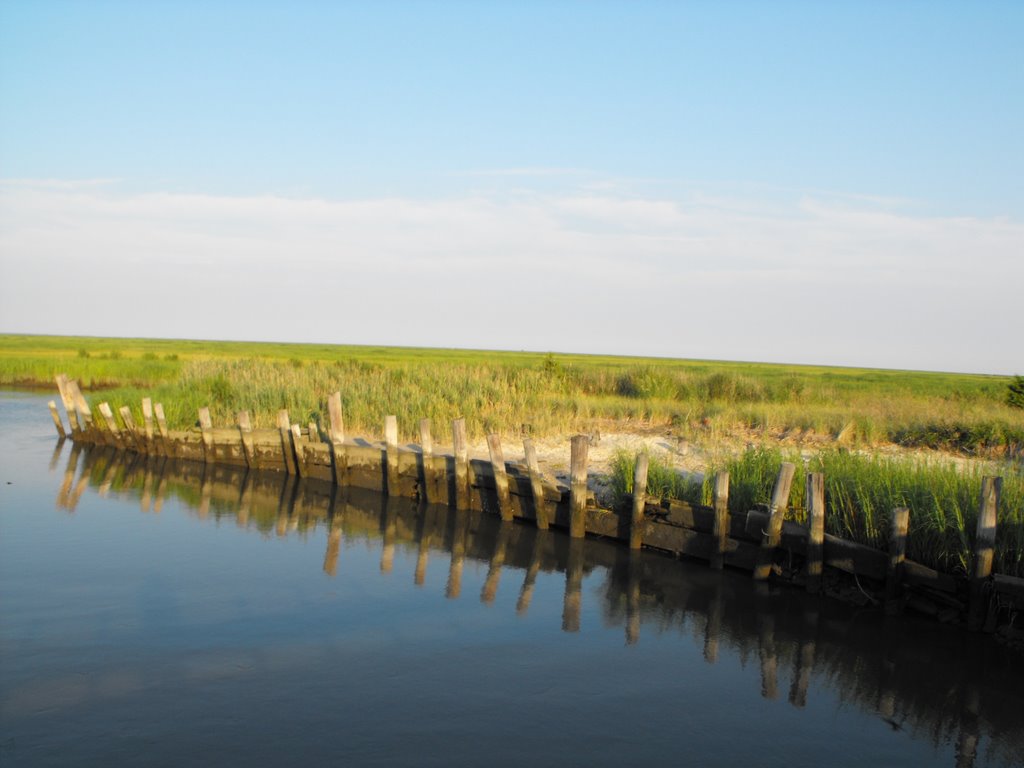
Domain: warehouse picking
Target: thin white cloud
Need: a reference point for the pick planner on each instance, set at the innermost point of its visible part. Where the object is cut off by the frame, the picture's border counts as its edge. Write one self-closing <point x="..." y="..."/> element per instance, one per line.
<point x="819" y="280"/>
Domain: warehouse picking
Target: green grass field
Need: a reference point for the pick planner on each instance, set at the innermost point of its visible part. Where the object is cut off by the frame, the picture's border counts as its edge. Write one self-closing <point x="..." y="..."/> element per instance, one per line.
<point x="552" y="393"/>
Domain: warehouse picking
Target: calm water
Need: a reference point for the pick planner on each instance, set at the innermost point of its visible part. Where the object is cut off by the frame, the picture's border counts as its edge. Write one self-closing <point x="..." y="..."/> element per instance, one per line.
<point x="156" y="614"/>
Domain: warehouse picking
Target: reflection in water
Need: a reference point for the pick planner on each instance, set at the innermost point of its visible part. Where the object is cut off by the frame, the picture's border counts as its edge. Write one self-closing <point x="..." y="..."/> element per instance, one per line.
<point x="490" y="589"/>
<point x="932" y="682"/>
<point x="526" y="592"/>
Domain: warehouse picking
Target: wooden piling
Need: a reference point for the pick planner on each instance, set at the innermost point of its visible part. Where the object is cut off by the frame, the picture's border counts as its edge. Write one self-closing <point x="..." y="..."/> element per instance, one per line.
<point x="68" y="401"/>
<point x="897" y="553"/>
<point x="337" y="435"/>
<point x="500" y="477"/>
<point x="815" y="531"/>
<point x="82" y="408"/>
<point x="540" y="507"/>
<point x="335" y="415"/>
<point x="578" y="487"/>
<point x="296" y="440"/>
<point x="984" y="552"/>
<point x="108" y="418"/>
<point x="461" y="451"/>
<point x="770" y="539"/>
<point x="56" y="420"/>
<point x="426" y="440"/>
<point x="147" y="421"/>
<point x="161" y="422"/>
<point x="245" y="428"/>
<point x="284" y="427"/>
<point x="130" y="430"/>
<point x="426" y="454"/>
<point x="636" y="525"/>
<point x="391" y="443"/>
<point x="720" y="529"/>
<point x="206" y="427"/>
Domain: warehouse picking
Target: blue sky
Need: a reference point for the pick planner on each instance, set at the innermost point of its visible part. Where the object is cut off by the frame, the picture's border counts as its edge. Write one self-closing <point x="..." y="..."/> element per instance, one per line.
<point x="852" y="159"/>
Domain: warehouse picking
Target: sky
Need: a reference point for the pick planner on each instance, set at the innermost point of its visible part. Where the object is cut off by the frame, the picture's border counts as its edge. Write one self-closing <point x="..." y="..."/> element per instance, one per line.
<point x="798" y="182"/>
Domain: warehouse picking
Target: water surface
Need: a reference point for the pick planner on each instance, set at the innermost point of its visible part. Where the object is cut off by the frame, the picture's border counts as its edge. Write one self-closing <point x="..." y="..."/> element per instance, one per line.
<point x="163" y="613"/>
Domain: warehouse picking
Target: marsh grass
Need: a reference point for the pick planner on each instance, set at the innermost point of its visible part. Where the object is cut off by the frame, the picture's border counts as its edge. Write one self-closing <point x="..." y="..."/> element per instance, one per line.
<point x="550" y="393"/>
<point x="860" y="493"/>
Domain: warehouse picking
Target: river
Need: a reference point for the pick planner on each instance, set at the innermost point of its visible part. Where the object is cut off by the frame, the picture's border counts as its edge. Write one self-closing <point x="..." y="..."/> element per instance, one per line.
<point x="164" y="613"/>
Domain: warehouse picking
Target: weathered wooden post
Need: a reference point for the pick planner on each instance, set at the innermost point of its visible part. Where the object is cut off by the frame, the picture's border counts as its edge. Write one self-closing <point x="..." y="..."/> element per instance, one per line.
<point x="578" y="487"/>
<point x="115" y="433"/>
<point x="337" y="435"/>
<point x="84" y="412"/>
<point x="636" y="525"/>
<point x="815" y="530"/>
<point x="245" y="429"/>
<point x="206" y="428"/>
<point x="284" y="427"/>
<point x="540" y="507"/>
<point x="391" y="455"/>
<point x="161" y="423"/>
<point x="68" y="401"/>
<point x="897" y="553"/>
<point x="161" y="420"/>
<point x="147" y="423"/>
<point x="984" y="552"/>
<point x="777" y="512"/>
<point x="130" y="429"/>
<point x="720" y="526"/>
<point x="426" y="461"/>
<point x="56" y="420"/>
<point x="461" y="451"/>
<point x="300" y="461"/>
<point x="500" y="477"/>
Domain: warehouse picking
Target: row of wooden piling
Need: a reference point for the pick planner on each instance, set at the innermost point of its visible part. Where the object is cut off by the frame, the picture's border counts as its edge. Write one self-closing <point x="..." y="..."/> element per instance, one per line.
<point x="753" y="540"/>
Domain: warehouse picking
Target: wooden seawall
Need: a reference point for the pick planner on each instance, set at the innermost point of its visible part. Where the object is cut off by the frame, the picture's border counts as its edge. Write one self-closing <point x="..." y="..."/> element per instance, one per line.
<point x="759" y="541"/>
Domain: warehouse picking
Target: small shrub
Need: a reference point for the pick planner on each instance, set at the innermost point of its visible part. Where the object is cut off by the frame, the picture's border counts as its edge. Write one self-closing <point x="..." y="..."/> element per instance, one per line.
<point x="83" y="352"/>
<point x="1015" y="392"/>
<point x="647" y="384"/>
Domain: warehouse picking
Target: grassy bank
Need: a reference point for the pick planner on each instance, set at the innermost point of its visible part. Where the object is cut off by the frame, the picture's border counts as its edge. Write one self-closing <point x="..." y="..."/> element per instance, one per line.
<point x="552" y="393"/>
<point x="860" y="493"/>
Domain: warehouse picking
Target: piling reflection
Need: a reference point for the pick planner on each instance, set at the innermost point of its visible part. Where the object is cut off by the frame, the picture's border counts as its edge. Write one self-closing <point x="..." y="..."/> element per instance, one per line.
<point x="944" y="686"/>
